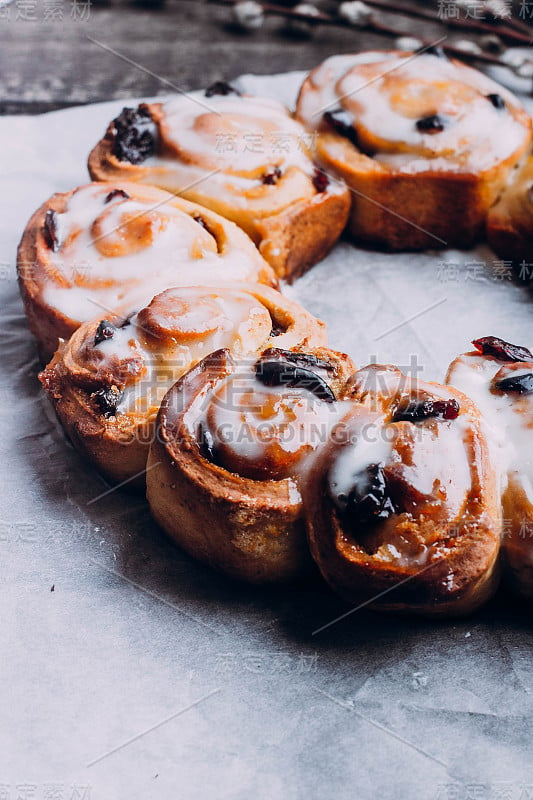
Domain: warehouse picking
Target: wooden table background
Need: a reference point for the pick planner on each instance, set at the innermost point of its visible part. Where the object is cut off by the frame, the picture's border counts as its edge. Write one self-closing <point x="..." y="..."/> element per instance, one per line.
<point x="47" y="60"/>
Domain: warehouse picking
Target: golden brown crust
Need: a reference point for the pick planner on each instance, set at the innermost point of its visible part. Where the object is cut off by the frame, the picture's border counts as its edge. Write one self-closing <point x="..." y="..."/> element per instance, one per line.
<point x="398" y="209"/>
<point x="510" y="220"/>
<point x="456" y="576"/>
<point x="517" y="545"/>
<point x="291" y="240"/>
<point x="118" y="445"/>
<point x="251" y="530"/>
<point x="46" y="322"/>
<point x="301" y="236"/>
<point x="413" y="211"/>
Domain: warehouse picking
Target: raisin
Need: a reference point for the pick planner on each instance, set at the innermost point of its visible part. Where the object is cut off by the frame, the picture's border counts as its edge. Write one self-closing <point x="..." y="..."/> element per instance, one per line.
<point x="497" y="101"/>
<point x="417" y="410"/>
<point x="50" y="230"/>
<point x="201" y="221"/>
<point x="342" y="123"/>
<point x="432" y="124"/>
<point x="116" y="193"/>
<point x="307" y="360"/>
<point x="127" y="320"/>
<point x="278" y="372"/>
<point x="108" y="399"/>
<point x="320" y="180"/>
<point x="221" y="87"/>
<point x="135" y="135"/>
<point x="271" y="176"/>
<point x="369" y="500"/>
<point x="276" y="331"/>
<point x="105" y="330"/>
<point x="521" y="384"/>
<point x="502" y="350"/>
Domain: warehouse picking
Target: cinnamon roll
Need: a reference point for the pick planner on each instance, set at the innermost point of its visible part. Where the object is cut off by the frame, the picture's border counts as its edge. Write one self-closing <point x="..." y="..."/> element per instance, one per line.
<point x="498" y="376"/>
<point x="424" y="143"/>
<point x="510" y="220"/>
<point x="402" y="503"/>
<point x="106" y="383"/>
<point x="242" y="156"/>
<point x="109" y="247"/>
<point x="232" y="440"/>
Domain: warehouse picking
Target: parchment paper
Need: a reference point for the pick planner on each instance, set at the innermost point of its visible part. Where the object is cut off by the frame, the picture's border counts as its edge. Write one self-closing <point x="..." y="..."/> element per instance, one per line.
<point x="112" y="640"/>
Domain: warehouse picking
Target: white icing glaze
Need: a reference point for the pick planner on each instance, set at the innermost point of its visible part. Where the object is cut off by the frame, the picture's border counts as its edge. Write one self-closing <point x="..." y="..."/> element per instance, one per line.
<point x="508" y="416"/>
<point x="248" y="419"/>
<point x="427" y="462"/>
<point x="437" y="459"/>
<point x="371" y="446"/>
<point x="239" y="134"/>
<point x="88" y="279"/>
<point x="386" y="93"/>
<point x="223" y="153"/>
<point x="196" y="321"/>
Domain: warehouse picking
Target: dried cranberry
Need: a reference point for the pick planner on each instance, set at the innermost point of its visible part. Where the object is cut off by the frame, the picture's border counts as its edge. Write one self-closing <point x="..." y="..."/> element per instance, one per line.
<point x="108" y="399"/>
<point x="342" y="123"/>
<point x="320" y="180"/>
<point x="417" y="410"/>
<point x="221" y="87"/>
<point x="432" y="124"/>
<point x="116" y="193"/>
<point x="105" y="330"/>
<point x="497" y="101"/>
<point x="281" y="372"/>
<point x="369" y="500"/>
<point x="502" y="350"/>
<point x="271" y="176"/>
<point x="50" y="230"/>
<point x="521" y="384"/>
<point x="135" y="135"/>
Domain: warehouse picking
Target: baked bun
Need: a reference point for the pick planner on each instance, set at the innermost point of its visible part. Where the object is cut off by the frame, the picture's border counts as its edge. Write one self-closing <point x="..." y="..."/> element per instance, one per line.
<point x="498" y="376"/>
<point x="424" y="143"/>
<point x="231" y="441"/>
<point x="244" y="157"/>
<point x="402" y="503"/>
<point x="510" y="220"/>
<point x="109" y="247"/>
<point x="107" y="382"/>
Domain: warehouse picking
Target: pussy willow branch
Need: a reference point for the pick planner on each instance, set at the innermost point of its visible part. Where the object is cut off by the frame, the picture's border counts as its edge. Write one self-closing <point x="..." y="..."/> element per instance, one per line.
<point x="510" y="31"/>
<point x="376" y="26"/>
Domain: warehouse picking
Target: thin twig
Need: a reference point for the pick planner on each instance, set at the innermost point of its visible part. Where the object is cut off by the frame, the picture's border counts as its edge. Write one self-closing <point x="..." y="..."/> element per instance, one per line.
<point x="378" y="27"/>
<point x="511" y="31"/>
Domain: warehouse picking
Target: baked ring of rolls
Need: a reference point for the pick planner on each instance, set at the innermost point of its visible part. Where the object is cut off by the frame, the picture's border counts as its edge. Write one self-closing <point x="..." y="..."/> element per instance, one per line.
<point x="108" y="247"/>
<point x="425" y="144"/>
<point x="402" y="503"/>
<point x="244" y="157"/>
<point x="232" y="439"/>
<point x="498" y="376"/>
<point x="107" y="382"/>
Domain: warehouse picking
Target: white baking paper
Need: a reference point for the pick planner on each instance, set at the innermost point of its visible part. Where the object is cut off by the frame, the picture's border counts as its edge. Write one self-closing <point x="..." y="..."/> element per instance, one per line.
<point x="129" y="671"/>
